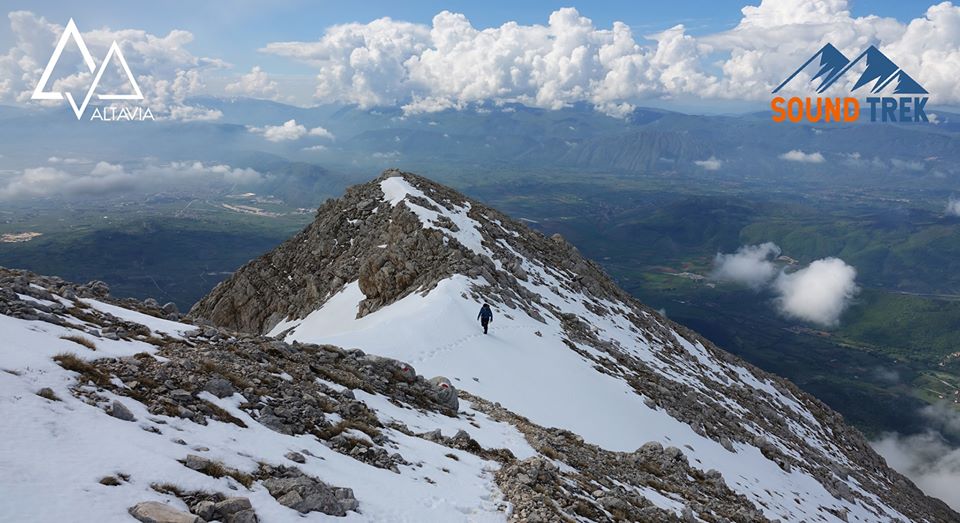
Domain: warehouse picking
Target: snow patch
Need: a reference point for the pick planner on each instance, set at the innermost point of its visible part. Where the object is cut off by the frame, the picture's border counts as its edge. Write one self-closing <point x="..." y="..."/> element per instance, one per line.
<point x="65" y="447"/>
<point x="396" y="189"/>
<point x="173" y="329"/>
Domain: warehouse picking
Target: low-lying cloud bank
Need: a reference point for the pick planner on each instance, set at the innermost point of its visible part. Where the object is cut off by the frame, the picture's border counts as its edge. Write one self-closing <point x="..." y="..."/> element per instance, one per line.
<point x="818" y="293"/>
<point x="928" y="459"/>
<point x="875" y="163"/>
<point x="797" y="155"/>
<point x="288" y="131"/>
<point x="105" y="179"/>
<point x="953" y="207"/>
<point x="710" y="164"/>
<point x="751" y="265"/>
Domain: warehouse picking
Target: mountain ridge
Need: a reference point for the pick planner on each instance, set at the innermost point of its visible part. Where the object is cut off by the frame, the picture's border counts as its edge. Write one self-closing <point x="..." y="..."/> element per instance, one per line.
<point x="402" y="255"/>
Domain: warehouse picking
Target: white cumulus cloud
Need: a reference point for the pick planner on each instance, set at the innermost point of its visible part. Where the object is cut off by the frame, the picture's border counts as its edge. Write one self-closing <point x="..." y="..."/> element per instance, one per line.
<point x="710" y="164"/>
<point x="818" y="293"/>
<point x="321" y="132"/>
<point x="256" y="84"/>
<point x="450" y="62"/>
<point x="751" y="265"/>
<point x="289" y="131"/>
<point x="797" y="155"/>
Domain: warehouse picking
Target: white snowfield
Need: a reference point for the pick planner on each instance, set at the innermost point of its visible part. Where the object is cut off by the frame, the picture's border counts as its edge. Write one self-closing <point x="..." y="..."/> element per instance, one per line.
<point x="53" y="453"/>
<point x="525" y="365"/>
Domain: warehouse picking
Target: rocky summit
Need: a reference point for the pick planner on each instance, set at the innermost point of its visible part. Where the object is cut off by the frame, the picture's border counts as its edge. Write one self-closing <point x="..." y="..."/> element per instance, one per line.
<point x="345" y="375"/>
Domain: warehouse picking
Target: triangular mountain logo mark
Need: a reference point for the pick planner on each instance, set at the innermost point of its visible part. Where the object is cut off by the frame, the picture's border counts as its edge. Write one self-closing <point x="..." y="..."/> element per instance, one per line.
<point x="880" y="70"/>
<point x="832" y="64"/>
<point x="69" y="32"/>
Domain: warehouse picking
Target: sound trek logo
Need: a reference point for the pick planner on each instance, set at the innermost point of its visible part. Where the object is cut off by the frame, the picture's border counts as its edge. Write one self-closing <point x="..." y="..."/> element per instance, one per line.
<point x="107" y="113"/>
<point x="885" y="76"/>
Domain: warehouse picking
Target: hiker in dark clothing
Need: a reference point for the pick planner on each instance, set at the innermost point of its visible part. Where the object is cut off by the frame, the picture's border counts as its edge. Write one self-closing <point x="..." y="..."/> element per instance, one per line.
<point x="485" y="316"/>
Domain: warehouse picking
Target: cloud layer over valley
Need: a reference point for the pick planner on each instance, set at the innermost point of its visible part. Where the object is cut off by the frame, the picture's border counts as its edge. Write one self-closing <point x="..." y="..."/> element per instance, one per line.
<point x="106" y="179"/>
<point x="928" y="458"/>
<point x="818" y="293"/>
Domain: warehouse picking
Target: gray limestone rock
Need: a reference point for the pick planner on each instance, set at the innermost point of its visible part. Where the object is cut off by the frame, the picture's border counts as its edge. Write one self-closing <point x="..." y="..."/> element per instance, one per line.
<point x="156" y="512"/>
<point x="120" y="411"/>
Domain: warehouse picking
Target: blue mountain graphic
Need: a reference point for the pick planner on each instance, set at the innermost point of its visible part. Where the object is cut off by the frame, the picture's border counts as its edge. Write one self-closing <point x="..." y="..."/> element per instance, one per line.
<point x="832" y="63"/>
<point x="882" y="72"/>
<point x="907" y="85"/>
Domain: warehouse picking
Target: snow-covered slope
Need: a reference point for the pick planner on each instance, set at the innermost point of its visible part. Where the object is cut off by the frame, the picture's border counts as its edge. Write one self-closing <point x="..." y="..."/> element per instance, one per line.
<point x="60" y="443"/>
<point x="399" y="268"/>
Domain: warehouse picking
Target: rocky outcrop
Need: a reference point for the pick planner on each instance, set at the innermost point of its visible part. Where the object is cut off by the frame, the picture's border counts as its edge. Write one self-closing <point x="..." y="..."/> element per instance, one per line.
<point x="207" y="506"/>
<point x="296" y="490"/>
<point x="359" y="237"/>
<point x="47" y="307"/>
<point x="353" y="238"/>
<point x="286" y="387"/>
<point x="598" y="484"/>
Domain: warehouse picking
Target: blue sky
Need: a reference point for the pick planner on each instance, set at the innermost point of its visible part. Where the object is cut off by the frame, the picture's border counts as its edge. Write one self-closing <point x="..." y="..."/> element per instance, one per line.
<point x="235" y="30"/>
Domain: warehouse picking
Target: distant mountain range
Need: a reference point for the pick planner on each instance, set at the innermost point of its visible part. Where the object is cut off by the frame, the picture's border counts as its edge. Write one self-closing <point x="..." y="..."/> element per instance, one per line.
<point x="648" y="141"/>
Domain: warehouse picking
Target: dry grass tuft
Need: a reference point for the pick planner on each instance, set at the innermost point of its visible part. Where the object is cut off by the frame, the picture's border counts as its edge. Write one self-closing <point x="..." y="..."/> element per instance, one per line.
<point x="549" y="452"/>
<point x="225" y="416"/>
<point x="48" y="393"/>
<point x="81" y="341"/>
<point x="168" y="488"/>
<point x="219" y="470"/>
<point x="110" y="481"/>
<point x="70" y="361"/>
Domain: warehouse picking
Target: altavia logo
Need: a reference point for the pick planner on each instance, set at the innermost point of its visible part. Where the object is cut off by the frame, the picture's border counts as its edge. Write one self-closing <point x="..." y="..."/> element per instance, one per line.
<point x="108" y="113"/>
<point x="880" y="74"/>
